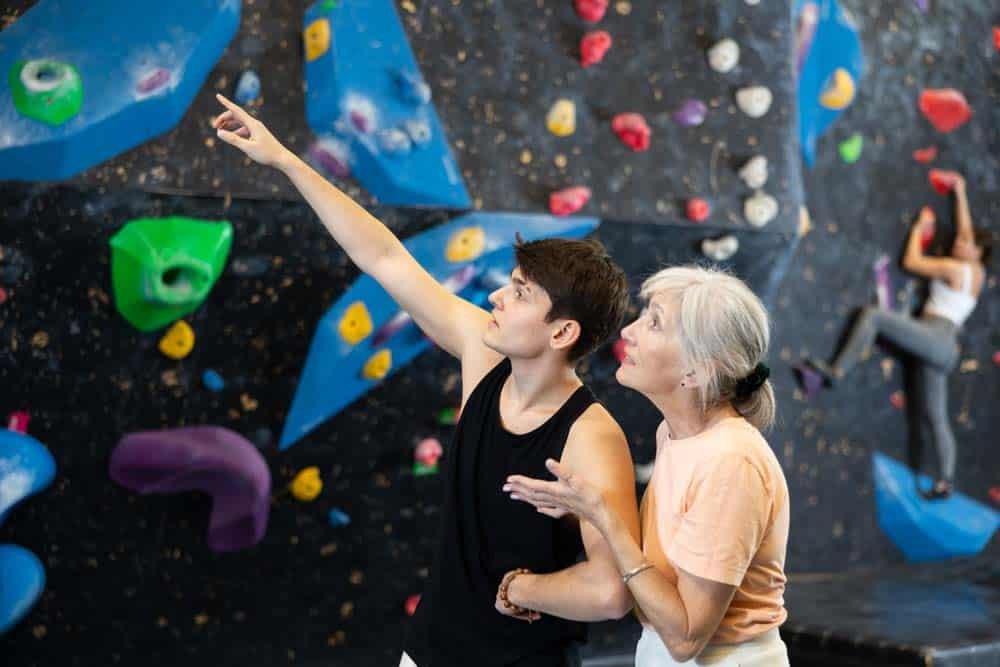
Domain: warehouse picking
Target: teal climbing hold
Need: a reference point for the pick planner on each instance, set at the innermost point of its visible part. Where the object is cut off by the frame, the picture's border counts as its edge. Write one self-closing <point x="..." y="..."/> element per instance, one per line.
<point x="163" y="268"/>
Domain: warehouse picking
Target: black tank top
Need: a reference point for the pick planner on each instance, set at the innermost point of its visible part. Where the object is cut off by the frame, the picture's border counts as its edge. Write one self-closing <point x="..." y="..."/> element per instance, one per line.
<point x="485" y="534"/>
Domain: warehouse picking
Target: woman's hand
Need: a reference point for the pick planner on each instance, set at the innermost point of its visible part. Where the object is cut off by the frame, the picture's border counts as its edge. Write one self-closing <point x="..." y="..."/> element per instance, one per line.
<point x="238" y="128"/>
<point x="568" y="494"/>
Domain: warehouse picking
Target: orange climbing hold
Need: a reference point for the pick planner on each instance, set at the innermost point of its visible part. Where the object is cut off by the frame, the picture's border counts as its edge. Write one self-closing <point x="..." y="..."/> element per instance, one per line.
<point x="942" y="181"/>
<point x="591" y="11"/>
<point x="569" y="201"/>
<point x="946" y="108"/>
<point x="593" y="46"/>
<point x="925" y="155"/>
<point x="632" y="129"/>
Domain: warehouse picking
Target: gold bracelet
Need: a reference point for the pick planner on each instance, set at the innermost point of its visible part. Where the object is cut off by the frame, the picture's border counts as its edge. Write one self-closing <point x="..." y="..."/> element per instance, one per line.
<point x="637" y="570"/>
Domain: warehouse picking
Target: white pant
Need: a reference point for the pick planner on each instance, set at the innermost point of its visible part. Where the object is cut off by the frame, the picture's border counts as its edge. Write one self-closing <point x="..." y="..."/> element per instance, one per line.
<point x="766" y="650"/>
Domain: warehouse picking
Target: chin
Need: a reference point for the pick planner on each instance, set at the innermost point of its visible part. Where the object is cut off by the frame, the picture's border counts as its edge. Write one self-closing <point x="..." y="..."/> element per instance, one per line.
<point x="620" y="375"/>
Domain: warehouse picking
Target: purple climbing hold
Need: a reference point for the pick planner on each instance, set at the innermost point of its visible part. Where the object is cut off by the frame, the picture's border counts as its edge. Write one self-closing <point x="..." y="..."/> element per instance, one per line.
<point x="691" y="113"/>
<point x="923" y="5"/>
<point x="810" y="379"/>
<point x="211" y="459"/>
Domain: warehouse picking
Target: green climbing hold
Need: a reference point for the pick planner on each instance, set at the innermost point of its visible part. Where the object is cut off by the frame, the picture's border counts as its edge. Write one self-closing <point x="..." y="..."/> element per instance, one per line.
<point x="163" y="268"/>
<point x="46" y="90"/>
<point x="850" y="148"/>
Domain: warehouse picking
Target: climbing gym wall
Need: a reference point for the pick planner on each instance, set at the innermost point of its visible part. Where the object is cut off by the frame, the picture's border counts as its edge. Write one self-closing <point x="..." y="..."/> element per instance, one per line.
<point x="672" y="133"/>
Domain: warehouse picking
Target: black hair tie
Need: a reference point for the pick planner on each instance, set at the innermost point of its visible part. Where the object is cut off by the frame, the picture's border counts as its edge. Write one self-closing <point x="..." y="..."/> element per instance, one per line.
<point x="751" y="383"/>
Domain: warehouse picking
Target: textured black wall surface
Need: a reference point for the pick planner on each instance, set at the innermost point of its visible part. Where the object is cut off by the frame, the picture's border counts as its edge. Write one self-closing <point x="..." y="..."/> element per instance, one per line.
<point x="130" y="578"/>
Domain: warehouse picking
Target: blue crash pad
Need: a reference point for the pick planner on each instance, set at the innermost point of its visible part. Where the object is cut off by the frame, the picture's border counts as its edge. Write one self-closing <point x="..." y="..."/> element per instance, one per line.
<point x="831" y="43"/>
<point x="923" y="529"/>
<point x="26" y="468"/>
<point x="140" y="65"/>
<point x="366" y="98"/>
<point x="22" y="579"/>
<point x="331" y="378"/>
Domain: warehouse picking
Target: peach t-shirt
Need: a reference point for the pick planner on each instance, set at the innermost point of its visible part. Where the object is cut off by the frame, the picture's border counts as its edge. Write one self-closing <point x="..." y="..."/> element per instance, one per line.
<point x="717" y="507"/>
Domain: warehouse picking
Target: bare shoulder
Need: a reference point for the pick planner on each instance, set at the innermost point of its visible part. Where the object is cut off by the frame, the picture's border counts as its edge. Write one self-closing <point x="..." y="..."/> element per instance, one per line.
<point x="597" y="441"/>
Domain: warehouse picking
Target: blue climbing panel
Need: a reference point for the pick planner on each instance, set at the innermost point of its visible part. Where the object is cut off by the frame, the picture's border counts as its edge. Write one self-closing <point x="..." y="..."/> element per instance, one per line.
<point x="26" y="468"/>
<point x="926" y="530"/>
<point x="466" y="254"/>
<point x="119" y="73"/>
<point x="826" y="40"/>
<point x="366" y="98"/>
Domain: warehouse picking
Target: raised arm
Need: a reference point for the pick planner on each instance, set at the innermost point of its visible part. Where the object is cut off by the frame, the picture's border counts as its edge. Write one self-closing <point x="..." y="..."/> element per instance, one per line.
<point x="963" y="218"/>
<point x="591" y="590"/>
<point x="915" y="261"/>
<point x="451" y="322"/>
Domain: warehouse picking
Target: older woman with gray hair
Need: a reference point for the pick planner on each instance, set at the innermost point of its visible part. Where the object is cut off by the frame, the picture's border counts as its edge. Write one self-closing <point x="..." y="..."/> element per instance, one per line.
<point x="708" y="578"/>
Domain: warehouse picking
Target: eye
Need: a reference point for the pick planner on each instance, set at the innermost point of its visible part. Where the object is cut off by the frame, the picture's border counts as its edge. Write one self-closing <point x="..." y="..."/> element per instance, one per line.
<point x="518" y="293"/>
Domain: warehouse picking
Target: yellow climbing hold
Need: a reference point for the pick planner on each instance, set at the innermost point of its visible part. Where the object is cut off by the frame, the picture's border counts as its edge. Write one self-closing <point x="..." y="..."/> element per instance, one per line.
<point x="377" y="366"/>
<point x="839" y="92"/>
<point x="307" y="484"/>
<point x="317" y="39"/>
<point x="561" y="119"/>
<point x="178" y="342"/>
<point x="355" y="324"/>
<point x="466" y="244"/>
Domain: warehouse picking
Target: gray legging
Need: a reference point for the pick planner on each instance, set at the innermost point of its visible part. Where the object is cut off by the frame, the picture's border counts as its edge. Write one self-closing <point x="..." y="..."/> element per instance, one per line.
<point x="933" y="342"/>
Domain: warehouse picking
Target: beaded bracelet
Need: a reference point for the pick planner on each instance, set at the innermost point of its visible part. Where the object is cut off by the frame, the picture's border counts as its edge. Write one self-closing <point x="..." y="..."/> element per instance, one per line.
<point x="505" y="584"/>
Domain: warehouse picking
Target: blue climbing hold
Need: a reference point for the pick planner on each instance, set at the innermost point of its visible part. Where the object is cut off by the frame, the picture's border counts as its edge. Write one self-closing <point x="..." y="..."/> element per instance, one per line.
<point x="339" y="519"/>
<point x="212" y="380"/>
<point x="926" y="530"/>
<point x="22" y="580"/>
<point x="247" y="88"/>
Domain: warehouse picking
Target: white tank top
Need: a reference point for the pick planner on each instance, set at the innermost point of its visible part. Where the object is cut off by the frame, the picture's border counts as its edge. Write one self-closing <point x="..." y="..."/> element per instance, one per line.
<point x="952" y="304"/>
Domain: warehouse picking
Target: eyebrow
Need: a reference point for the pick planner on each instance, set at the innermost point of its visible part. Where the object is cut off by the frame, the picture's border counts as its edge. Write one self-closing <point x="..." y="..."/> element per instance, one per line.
<point x="520" y="282"/>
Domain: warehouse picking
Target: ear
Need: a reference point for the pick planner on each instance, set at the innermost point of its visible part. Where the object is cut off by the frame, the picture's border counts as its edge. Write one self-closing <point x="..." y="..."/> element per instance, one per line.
<point x="564" y="334"/>
<point x="697" y="375"/>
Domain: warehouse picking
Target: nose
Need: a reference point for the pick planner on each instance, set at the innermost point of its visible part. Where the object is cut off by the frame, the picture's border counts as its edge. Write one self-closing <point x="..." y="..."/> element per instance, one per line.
<point x="496" y="299"/>
<point x="627" y="333"/>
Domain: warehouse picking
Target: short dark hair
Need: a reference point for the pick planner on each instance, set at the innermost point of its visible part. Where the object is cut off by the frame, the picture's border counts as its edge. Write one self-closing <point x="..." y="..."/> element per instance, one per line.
<point x="583" y="283"/>
<point x="985" y="241"/>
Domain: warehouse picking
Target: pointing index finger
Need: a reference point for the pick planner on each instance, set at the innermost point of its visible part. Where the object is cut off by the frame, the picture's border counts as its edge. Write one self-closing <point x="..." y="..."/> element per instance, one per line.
<point x="235" y="108"/>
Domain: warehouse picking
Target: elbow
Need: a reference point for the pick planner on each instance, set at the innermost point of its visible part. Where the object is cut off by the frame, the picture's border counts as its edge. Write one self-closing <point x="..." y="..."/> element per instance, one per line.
<point x="908" y="262"/>
<point x="616" y="602"/>
<point x="683" y="650"/>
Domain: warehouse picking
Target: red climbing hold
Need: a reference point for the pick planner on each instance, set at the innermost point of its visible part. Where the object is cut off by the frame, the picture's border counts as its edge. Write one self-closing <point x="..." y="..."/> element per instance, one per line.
<point x="411" y="605"/>
<point x="632" y="129"/>
<point x="698" y="209"/>
<point x="996" y="38"/>
<point x="925" y="155"/>
<point x="428" y="452"/>
<point x="569" y="201"/>
<point x="591" y="10"/>
<point x="996" y="358"/>
<point x="898" y="400"/>
<point x="3" y="295"/>
<point x="946" y="108"/>
<point x="18" y="421"/>
<point x="593" y="46"/>
<point x="618" y="350"/>
<point x="995" y="495"/>
<point x="942" y="181"/>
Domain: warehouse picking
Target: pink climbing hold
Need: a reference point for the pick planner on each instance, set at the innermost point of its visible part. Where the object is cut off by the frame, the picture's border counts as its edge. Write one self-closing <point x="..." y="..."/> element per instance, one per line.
<point x="925" y="155"/>
<point x="591" y="11"/>
<point x="618" y="350"/>
<point x="698" y="209"/>
<point x="898" y="400"/>
<point x="411" y="605"/>
<point x="593" y="46"/>
<point x="18" y="421"/>
<point x="946" y="108"/>
<point x="428" y="452"/>
<point x="569" y="201"/>
<point x="942" y="181"/>
<point x="632" y="129"/>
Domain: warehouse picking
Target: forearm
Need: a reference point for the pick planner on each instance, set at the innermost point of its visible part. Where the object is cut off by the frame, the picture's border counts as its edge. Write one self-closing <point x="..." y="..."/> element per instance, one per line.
<point x="963" y="218"/>
<point x="363" y="237"/>
<point x="583" y="592"/>
<point x="656" y="597"/>
<point x="914" y="249"/>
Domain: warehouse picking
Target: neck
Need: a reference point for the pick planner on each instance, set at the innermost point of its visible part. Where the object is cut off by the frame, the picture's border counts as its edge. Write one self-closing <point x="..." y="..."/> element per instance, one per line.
<point x="540" y="381"/>
<point x="684" y="417"/>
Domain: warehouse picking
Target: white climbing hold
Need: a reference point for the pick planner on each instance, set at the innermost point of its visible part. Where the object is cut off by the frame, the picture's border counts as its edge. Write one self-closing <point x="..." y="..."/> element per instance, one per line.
<point x="754" y="101"/>
<point x="754" y="172"/>
<point x="720" y="249"/>
<point x="419" y="130"/>
<point x="760" y="209"/>
<point x="724" y="55"/>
